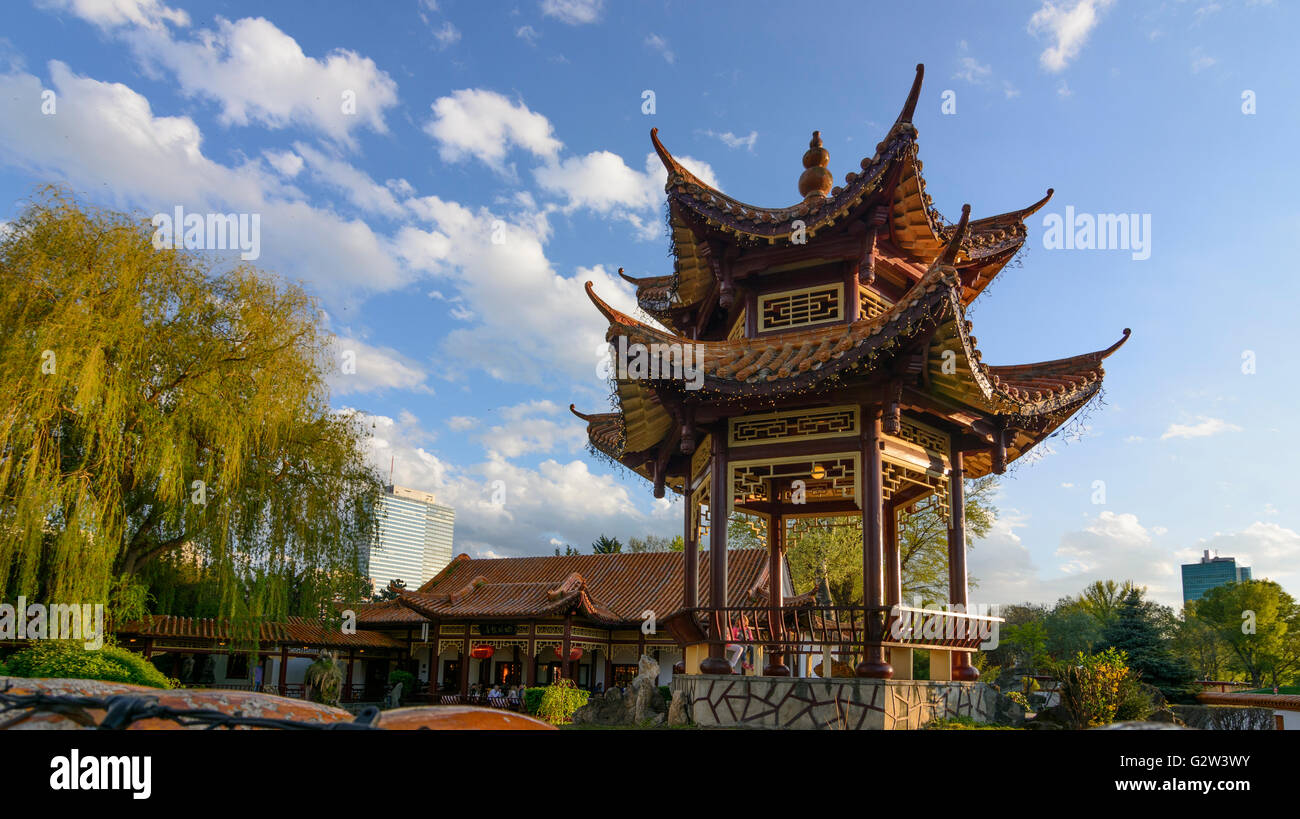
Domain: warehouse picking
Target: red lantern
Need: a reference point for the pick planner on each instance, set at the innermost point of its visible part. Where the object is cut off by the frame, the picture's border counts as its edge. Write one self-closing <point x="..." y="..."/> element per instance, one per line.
<point x="482" y="652"/>
<point x="575" y="653"/>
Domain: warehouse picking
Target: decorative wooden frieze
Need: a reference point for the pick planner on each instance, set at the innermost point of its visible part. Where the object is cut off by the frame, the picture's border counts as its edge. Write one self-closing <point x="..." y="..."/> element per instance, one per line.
<point x="825" y="477"/>
<point x="794" y="425"/>
<point x="871" y="303"/>
<point x="805" y="307"/>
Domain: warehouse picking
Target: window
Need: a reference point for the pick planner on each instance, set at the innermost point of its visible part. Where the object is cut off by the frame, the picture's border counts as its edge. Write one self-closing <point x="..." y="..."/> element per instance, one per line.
<point x="236" y="666"/>
<point x="451" y="675"/>
<point x="623" y="675"/>
<point x="800" y="308"/>
<point x="507" y="674"/>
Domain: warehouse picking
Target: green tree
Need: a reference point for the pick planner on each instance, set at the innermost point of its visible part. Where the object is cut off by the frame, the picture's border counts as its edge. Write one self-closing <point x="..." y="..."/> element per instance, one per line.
<point x="825" y="554"/>
<point x="1253" y="619"/>
<point x="568" y="550"/>
<point x="923" y="540"/>
<point x="1136" y="630"/>
<point x="154" y="412"/>
<point x="1070" y="630"/>
<point x="606" y="545"/>
<point x="1102" y="599"/>
<point x="392" y="591"/>
<point x="655" y="543"/>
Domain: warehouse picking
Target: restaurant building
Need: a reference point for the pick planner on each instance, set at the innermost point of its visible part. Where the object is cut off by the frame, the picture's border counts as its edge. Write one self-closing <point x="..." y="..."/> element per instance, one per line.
<point x="527" y="620"/>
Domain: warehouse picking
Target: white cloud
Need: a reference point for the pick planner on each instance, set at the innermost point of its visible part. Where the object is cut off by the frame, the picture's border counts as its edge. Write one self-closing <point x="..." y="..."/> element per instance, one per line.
<point x="359" y="367"/>
<point x="534" y="426"/>
<point x="485" y="125"/>
<point x="732" y="141"/>
<point x="1067" y="25"/>
<point x="446" y="34"/>
<point x="1110" y="547"/>
<point x="555" y="502"/>
<point x="106" y="138"/>
<point x="107" y="14"/>
<point x="355" y="184"/>
<point x="600" y="181"/>
<point x="527" y="33"/>
<point x="659" y="44"/>
<point x="1271" y="551"/>
<point x="573" y="12"/>
<point x="461" y="423"/>
<point x="973" y="71"/>
<point x="286" y="163"/>
<point x="1203" y="427"/>
<point x="258" y="74"/>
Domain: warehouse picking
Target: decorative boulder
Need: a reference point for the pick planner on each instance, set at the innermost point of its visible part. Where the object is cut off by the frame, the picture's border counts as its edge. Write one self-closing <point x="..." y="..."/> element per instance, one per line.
<point x="678" y="711"/>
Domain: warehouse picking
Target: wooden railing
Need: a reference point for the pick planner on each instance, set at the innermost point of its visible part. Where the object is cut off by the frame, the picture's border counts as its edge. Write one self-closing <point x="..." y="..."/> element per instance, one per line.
<point x="812" y="629"/>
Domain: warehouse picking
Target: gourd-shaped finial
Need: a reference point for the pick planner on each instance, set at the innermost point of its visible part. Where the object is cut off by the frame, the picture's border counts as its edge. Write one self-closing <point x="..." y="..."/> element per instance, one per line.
<point x="816" y="180"/>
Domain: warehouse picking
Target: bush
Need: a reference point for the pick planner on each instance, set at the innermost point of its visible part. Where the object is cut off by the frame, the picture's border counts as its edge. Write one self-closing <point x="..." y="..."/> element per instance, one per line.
<point x="963" y="724"/>
<point x="560" y="700"/>
<point x="1093" y="687"/>
<point x="406" y="678"/>
<point x="533" y="699"/>
<point x="70" y="660"/>
<point x="1135" y="703"/>
<point x="666" y="692"/>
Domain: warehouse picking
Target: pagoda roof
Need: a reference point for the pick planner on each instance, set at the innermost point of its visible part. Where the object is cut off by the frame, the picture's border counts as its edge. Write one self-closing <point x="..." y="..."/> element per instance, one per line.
<point x="611" y="589"/>
<point x="700" y="214"/>
<point x="794" y="362"/>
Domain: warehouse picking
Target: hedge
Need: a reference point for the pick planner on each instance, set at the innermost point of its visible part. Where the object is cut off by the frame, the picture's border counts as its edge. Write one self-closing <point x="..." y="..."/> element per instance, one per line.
<point x="70" y="660"/>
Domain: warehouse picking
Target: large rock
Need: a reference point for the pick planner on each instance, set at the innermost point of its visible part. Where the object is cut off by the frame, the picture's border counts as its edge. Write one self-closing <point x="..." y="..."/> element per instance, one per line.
<point x="643" y="704"/>
<point x="679" y="712"/>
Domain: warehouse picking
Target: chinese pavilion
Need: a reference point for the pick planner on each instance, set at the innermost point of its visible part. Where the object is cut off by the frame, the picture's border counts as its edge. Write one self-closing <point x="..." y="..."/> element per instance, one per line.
<point x="840" y="377"/>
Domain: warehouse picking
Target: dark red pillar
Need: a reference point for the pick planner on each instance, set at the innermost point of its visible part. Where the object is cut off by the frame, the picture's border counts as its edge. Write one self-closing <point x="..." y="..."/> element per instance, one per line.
<point x="719" y="494"/>
<point x="961" y="666"/>
<point x="873" y="576"/>
<point x="775" y="665"/>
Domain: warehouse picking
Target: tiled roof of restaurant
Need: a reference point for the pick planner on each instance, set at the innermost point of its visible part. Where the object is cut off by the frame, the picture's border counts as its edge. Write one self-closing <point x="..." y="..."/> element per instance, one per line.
<point x="290" y="631"/>
<point x="613" y="589"/>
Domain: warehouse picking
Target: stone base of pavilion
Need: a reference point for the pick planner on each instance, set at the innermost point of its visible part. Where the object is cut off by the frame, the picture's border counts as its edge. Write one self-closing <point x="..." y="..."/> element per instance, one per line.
<point x="839" y="703"/>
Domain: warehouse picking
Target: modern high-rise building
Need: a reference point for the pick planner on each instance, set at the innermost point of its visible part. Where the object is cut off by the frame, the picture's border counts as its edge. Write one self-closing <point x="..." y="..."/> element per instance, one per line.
<point x="1199" y="578"/>
<point x="413" y="542"/>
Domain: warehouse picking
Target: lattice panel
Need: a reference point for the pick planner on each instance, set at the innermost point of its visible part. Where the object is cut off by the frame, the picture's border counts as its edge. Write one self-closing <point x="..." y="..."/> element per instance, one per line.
<point x="700" y="513"/>
<point x="924" y="437"/>
<point x="826" y="422"/>
<point x="825" y="477"/>
<point x="738" y="329"/>
<point x="801" y="308"/>
<point x="871" y="303"/>
<point x="700" y="460"/>
<point x="897" y="478"/>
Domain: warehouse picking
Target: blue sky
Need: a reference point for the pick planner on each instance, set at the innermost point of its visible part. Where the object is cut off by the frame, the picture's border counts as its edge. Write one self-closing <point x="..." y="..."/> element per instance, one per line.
<point x="526" y="118"/>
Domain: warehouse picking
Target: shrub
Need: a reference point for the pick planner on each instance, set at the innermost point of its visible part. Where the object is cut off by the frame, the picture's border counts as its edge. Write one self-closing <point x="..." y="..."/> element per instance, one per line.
<point x="560" y="700"/>
<point x="533" y="699"/>
<point x="1092" y="687"/>
<point x="666" y="692"/>
<point x="70" y="660"/>
<point x="1134" y="701"/>
<point x="406" y="678"/>
<point x="963" y="724"/>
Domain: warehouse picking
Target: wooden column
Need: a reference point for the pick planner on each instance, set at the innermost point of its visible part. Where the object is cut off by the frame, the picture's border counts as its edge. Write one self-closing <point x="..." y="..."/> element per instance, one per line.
<point x="567" y="646"/>
<point x="284" y="667"/>
<point x="775" y="665"/>
<point x="961" y="666"/>
<point x="530" y="672"/>
<point x="719" y="492"/>
<point x="690" y="552"/>
<point x="347" y="690"/>
<point x="464" y="665"/>
<point x="873" y="576"/>
<point x="893" y="568"/>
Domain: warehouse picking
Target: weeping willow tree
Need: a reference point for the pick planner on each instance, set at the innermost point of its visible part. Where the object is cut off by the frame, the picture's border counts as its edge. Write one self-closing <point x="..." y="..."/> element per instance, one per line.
<point x="166" y="427"/>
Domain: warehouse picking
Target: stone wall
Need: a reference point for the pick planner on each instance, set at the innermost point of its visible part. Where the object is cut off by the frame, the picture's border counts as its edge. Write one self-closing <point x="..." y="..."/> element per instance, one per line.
<point x="1226" y="717"/>
<point x="841" y="703"/>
